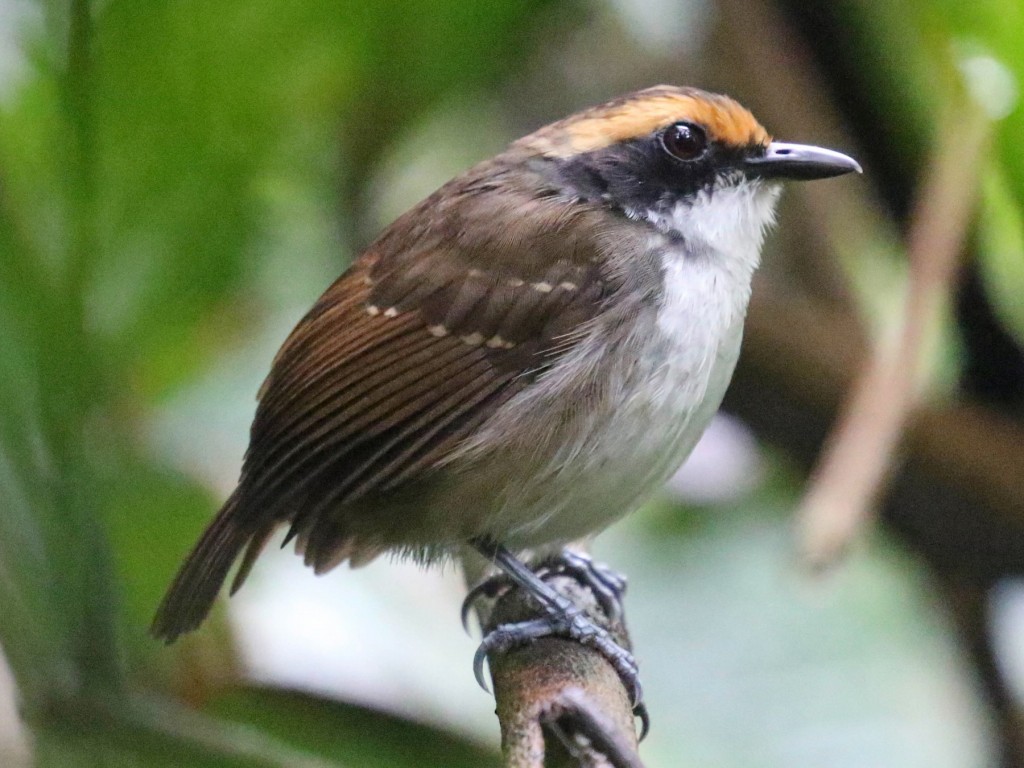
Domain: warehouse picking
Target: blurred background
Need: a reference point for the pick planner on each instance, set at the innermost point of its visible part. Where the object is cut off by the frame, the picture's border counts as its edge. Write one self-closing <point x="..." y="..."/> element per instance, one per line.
<point x="179" y="180"/>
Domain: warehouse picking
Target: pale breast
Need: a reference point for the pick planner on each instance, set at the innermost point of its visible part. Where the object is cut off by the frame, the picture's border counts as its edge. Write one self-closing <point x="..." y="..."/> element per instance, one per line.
<point x="602" y="430"/>
<point x="606" y="427"/>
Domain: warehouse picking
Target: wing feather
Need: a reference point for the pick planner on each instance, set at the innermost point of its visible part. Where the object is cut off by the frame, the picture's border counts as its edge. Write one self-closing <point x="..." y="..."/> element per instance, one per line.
<point x="400" y="360"/>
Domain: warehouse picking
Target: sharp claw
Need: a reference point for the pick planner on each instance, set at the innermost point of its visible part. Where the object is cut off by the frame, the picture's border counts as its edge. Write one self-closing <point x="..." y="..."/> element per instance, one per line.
<point x="478" y="666"/>
<point x="640" y="710"/>
<point x="467" y="604"/>
<point x="489" y="587"/>
<point x="637" y="693"/>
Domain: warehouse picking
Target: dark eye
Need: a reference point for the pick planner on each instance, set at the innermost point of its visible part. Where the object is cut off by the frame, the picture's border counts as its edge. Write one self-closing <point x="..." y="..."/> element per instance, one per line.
<point x="685" y="141"/>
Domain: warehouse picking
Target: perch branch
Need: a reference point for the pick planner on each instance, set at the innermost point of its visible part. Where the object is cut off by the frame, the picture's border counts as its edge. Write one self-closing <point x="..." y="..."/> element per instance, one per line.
<point x="559" y="703"/>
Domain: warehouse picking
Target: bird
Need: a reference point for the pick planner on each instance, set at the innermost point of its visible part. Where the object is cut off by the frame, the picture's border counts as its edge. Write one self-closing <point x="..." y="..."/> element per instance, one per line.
<point x="521" y="359"/>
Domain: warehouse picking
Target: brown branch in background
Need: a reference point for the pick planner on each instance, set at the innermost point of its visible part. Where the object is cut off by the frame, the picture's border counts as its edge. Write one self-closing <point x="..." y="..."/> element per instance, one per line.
<point x="799" y="358"/>
<point x="559" y="703"/>
<point x="860" y="451"/>
<point x="957" y="498"/>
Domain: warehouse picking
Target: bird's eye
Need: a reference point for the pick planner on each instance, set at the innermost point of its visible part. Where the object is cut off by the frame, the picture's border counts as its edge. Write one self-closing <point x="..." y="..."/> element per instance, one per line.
<point x="685" y="141"/>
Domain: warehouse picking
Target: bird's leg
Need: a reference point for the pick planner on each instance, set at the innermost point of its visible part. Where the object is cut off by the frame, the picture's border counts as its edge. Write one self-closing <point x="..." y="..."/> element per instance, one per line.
<point x="564" y="619"/>
<point x="607" y="585"/>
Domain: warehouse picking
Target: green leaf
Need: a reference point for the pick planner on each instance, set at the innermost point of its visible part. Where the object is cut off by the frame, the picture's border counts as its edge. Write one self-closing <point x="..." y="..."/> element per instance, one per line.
<point x="349" y="733"/>
<point x="150" y="733"/>
<point x="153" y="517"/>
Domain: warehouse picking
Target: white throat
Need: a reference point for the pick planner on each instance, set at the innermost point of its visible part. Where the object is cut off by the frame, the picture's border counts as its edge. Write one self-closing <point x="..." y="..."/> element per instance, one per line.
<point x="726" y="224"/>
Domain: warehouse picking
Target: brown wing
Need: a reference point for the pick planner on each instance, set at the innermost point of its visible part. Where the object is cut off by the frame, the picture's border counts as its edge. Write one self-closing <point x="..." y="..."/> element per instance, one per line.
<point x="402" y="358"/>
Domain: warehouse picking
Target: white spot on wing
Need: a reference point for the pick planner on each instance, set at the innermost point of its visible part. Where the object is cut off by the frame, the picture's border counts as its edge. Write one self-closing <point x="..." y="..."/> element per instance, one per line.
<point x="496" y="342"/>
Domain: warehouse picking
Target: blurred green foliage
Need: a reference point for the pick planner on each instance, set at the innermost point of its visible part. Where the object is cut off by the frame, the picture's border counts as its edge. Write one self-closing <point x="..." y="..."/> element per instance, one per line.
<point x="147" y="155"/>
<point x="917" y="53"/>
<point x="135" y="158"/>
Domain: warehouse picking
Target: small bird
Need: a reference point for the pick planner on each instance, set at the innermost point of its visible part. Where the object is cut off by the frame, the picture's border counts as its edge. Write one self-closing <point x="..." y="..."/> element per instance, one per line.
<point x="519" y="360"/>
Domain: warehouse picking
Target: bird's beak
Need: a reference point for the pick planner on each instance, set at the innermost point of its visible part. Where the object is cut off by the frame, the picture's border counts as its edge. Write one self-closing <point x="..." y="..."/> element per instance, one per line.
<point x="800" y="162"/>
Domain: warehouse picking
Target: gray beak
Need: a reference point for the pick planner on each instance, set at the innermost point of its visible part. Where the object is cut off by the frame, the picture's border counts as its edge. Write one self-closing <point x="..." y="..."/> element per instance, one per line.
<point x="799" y="162"/>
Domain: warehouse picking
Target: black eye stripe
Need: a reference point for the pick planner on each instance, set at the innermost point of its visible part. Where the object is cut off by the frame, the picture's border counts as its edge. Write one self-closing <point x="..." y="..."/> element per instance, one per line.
<point x="642" y="174"/>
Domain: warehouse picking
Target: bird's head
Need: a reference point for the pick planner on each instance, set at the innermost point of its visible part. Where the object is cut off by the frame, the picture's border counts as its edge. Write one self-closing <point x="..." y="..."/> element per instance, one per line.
<point x="658" y="153"/>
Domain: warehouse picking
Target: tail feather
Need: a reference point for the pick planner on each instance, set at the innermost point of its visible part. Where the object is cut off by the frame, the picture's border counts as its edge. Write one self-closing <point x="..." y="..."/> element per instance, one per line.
<point x="256" y="544"/>
<point x="191" y="595"/>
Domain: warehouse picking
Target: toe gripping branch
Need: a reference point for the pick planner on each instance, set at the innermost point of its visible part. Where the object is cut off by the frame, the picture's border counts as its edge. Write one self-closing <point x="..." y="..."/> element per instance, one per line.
<point x="532" y="613"/>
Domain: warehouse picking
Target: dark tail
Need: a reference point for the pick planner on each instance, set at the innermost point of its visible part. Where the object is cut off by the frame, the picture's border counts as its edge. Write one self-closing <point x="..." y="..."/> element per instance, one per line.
<point x="191" y="596"/>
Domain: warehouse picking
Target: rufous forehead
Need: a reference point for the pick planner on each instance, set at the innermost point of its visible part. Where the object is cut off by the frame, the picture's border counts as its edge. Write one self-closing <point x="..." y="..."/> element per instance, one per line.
<point x="645" y="112"/>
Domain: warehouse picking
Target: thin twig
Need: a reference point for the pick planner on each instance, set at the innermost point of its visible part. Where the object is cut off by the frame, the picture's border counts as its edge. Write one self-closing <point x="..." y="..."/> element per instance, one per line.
<point x="857" y="457"/>
<point x="806" y="356"/>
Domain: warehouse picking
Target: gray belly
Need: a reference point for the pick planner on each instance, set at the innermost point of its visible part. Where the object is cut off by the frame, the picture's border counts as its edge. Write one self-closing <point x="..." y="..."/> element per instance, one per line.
<point x="576" y="452"/>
